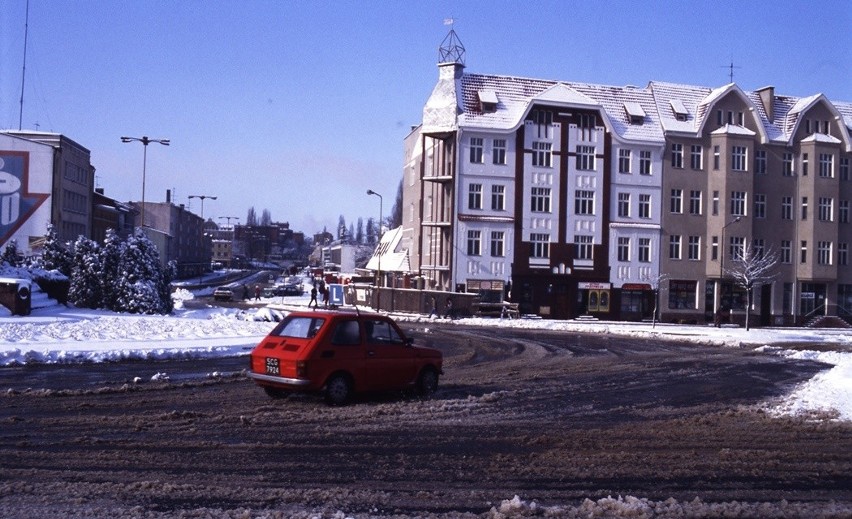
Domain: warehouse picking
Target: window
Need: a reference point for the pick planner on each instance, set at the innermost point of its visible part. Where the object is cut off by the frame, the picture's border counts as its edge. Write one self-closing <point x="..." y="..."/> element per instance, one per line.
<point x="786" y="207"/>
<point x="760" y="162"/>
<point x="497" y="241"/>
<point x="739" y="155"/>
<point x="474" y="196"/>
<point x="498" y="152"/>
<point x="716" y="157"/>
<point x="623" y="249"/>
<point x="695" y="202"/>
<point x="736" y="247"/>
<point x="787" y="164"/>
<point x="844" y="168"/>
<point x="644" y="206"/>
<point x="738" y="203"/>
<point x="498" y="198"/>
<point x="804" y="208"/>
<point x="584" y="202"/>
<point x="715" y="203"/>
<point x="694" y="248"/>
<point x="346" y="333"/>
<point x="824" y="253"/>
<point x="720" y="119"/>
<point x="804" y="249"/>
<point x="714" y="249"/>
<point x="584" y="246"/>
<point x="644" y="162"/>
<point x="844" y="211"/>
<point x="381" y="332"/>
<point x="786" y="251"/>
<point x="474" y="239"/>
<point x="585" y="158"/>
<point x="541" y="156"/>
<point x="759" y="205"/>
<point x="758" y="246"/>
<point x="624" y="205"/>
<point x="683" y="294"/>
<point x="676" y="201"/>
<point x="645" y="250"/>
<point x="842" y="254"/>
<point x="677" y="155"/>
<point x="804" y="164"/>
<point x="674" y="247"/>
<point x="539" y="245"/>
<point x="543" y="120"/>
<point x="826" y="209"/>
<point x="476" y="155"/>
<point x="540" y="202"/>
<point x="696" y="157"/>
<point x="826" y="165"/>
<point x="624" y="161"/>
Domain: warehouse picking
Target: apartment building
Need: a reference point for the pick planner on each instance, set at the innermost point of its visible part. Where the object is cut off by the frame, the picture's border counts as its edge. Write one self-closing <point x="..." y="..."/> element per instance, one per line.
<point x="580" y="199"/>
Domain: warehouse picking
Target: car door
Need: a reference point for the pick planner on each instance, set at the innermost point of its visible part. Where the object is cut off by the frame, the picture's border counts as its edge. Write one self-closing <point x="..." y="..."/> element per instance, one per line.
<point x="390" y="362"/>
<point x="341" y="349"/>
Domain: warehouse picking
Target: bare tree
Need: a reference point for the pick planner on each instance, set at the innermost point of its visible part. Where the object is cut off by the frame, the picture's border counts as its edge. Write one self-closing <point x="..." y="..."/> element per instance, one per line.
<point x="394" y="220"/>
<point x="750" y="268"/>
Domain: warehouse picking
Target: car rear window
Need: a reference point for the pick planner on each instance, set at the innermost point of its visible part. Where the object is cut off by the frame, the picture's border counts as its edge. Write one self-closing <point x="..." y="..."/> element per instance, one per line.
<point x="299" y="327"/>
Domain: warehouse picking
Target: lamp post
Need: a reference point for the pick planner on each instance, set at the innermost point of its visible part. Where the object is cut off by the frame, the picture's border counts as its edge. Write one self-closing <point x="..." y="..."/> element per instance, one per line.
<point x="379" y="244"/>
<point x="722" y="259"/>
<point x="228" y="219"/>
<point x="145" y="142"/>
<point x="202" y="197"/>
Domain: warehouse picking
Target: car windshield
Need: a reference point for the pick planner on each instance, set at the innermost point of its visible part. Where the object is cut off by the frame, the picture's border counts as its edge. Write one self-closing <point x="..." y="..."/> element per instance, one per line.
<point x="299" y="327"/>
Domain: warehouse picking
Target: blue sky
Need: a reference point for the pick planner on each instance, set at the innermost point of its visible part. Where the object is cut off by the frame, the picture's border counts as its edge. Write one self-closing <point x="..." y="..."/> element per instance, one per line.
<point x="300" y="107"/>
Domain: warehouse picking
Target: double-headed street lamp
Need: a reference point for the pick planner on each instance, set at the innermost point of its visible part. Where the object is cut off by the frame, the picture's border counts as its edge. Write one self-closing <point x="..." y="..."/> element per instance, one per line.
<point x="202" y="197"/>
<point x="145" y="141"/>
<point x="379" y="244"/>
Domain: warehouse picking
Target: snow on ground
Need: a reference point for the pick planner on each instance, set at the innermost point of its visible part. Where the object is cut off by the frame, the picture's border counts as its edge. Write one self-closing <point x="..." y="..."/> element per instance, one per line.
<point x="60" y="334"/>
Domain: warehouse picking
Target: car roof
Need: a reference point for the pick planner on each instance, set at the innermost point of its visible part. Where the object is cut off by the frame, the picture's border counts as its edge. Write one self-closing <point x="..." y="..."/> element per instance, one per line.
<point x="338" y="313"/>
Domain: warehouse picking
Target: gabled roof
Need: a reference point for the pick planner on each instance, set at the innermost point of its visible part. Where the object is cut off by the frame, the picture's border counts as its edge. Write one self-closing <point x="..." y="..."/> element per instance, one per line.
<point x="733" y="129"/>
<point x="393" y="257"/>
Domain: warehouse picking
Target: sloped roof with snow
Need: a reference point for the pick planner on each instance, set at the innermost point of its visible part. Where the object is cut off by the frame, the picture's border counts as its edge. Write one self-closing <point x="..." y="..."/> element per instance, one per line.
<point x="516" y="95"/>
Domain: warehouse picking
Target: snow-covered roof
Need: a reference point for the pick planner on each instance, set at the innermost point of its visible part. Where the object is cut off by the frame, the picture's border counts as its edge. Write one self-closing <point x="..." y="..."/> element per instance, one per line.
<point x="733" y="129"/>
<point x="389" y="254"/>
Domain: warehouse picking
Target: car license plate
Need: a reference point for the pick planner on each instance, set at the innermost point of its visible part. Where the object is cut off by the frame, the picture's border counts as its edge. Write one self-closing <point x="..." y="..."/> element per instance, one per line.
<point x="272" y="366"/>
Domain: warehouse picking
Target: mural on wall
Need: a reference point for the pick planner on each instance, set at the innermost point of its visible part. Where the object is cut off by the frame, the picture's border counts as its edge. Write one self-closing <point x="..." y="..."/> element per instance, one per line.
<point x="17" y="204"/>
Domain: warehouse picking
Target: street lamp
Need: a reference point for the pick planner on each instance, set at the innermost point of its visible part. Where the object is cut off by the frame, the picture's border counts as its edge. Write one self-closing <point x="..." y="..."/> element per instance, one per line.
<point x="379" y="244"/>
<point x="202" y="197"/>
<point x="145" y="141"/>
<point x="228" y="219"/>
<point x="722" y="259"/>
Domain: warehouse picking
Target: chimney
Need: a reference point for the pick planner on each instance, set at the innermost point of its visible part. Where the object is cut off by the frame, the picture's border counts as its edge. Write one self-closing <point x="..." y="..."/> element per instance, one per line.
<point x="767" y="98"/>
<point x="168" y="196"/>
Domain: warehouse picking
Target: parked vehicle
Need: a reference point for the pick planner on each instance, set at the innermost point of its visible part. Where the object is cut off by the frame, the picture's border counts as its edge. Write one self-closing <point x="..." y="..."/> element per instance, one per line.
<point x="223" y="294"/>
<point x="340" y="353"/>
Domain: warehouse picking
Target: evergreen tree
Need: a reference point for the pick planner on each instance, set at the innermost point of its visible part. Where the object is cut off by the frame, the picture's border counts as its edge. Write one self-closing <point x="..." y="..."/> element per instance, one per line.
<point x="141" y="277"/>
<point x="85" y="290"/>
<point x="110" y="256"/>
<point x="251" y="218"/>
<point x="359" y="231"/>
<point x="265" y="218"/>
<point x="371" y="232"/>
<point x="395" y="218"/>
<point x="350" y="237"/>
<point x="341" y="227"/>
<point x="10" y="254"/>
<point x="168" y="275"/>
<point x="55" y="255"/>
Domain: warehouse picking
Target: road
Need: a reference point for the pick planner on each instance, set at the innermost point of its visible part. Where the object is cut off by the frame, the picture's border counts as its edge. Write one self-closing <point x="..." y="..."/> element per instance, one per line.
<point x="552" y="417"/>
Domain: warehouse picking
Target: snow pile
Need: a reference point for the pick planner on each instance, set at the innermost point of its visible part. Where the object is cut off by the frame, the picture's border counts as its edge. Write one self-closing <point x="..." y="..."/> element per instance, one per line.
<point x="641" y="508"/>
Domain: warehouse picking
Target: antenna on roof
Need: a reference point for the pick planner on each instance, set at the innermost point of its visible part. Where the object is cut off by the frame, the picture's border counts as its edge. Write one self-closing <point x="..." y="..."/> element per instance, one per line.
<point x="451" y="49"/>
<point x="730" y="68"/>
<point x="24" y="67"/>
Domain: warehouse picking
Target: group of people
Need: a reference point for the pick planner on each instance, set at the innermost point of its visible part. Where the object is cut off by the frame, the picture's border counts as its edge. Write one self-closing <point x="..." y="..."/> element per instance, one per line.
<point x="448" y="309"/>
<point x="323" y="291"/>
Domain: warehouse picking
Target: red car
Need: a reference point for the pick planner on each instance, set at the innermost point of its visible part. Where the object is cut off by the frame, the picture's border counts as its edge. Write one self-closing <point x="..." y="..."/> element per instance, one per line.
<point x="341" y="353"/>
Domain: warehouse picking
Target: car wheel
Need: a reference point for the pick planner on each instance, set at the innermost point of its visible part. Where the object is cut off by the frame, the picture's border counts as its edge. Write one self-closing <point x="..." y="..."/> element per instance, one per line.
<point x="338" y="390"/>
<point x="427" y="382"/>
<point x="275" y="392"/>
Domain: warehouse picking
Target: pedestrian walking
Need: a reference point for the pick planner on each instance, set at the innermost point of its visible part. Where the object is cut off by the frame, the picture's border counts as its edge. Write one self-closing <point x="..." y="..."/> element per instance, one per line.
<point x="313" y="300"/>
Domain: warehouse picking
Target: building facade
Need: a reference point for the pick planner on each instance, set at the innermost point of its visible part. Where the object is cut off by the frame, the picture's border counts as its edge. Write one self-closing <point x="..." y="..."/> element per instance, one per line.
<point x="46" y="178"/>
<point x="580" y="199"/>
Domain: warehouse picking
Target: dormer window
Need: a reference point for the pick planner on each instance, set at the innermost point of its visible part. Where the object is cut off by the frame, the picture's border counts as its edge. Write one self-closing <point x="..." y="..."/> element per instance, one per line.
<point x="634" y="112"/>
<point x="487" y="101"/>
<point x="679" y="110"/>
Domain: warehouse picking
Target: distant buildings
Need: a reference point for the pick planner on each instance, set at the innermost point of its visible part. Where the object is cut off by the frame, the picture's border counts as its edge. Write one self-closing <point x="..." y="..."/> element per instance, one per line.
<point x="571" y="198"/>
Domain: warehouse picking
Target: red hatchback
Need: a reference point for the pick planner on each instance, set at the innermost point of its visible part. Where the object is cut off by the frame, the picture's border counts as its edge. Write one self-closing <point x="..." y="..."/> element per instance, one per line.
<point x="341" y="353"/>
